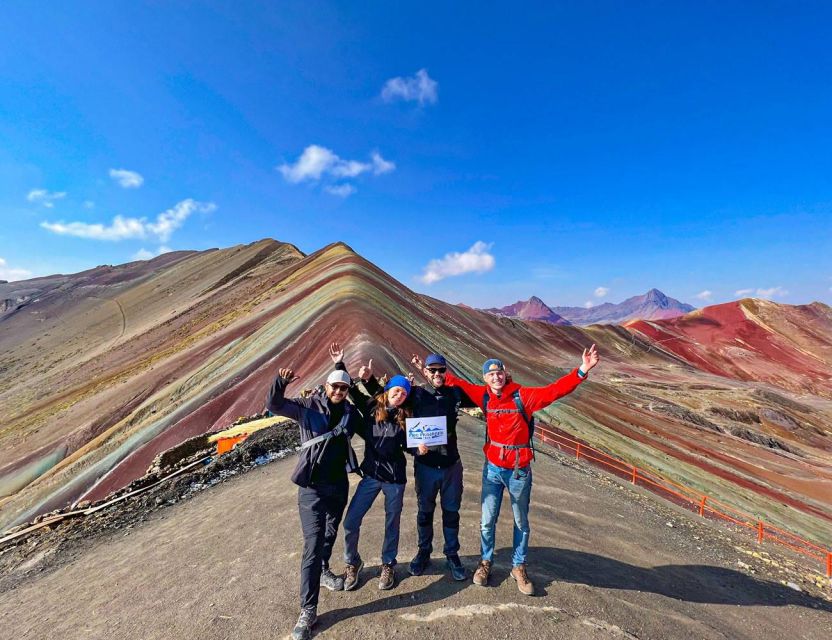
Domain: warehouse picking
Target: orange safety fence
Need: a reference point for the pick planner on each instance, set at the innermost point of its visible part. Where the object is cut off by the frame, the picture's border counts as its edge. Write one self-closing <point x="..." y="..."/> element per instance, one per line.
<point x="704" y="505"/>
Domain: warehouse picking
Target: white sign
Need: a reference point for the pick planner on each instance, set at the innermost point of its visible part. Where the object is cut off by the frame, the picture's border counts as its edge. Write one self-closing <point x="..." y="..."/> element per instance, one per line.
<point x="427" y="431"/>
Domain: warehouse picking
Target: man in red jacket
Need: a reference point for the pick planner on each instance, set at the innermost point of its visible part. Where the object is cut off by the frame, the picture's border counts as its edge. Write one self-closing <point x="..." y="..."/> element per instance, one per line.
<point x="508" y="408"/>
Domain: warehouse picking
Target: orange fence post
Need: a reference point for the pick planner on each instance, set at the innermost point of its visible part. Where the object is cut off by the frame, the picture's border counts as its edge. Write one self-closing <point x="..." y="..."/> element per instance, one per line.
<point x="702" y="506"/>
<point x="760" y="531"/>
<point x="829" y="565"/>
<point x="635" y="475"/>
<point x="578" y="451"/>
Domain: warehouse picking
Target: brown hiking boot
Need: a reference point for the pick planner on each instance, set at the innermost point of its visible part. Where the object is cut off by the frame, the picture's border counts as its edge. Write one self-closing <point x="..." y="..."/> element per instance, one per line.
<point x="351" y="576"/>
<point x="522" y="578"/>
<point x="387" y="578"/>
<point x="482" y="573"/>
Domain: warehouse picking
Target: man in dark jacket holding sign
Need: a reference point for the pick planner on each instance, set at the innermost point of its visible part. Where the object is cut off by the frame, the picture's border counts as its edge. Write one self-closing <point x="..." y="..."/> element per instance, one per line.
<point x="327" y="423"/>
<point x="439" y="470"/>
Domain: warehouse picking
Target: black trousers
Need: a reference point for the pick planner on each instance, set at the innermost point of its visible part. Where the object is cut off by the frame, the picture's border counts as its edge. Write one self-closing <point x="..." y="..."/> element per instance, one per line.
<point x="321" y="508"/>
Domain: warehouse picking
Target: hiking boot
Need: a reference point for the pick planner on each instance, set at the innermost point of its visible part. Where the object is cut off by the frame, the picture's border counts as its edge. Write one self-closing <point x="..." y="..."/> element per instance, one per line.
<point x="387" y="578"/>
<point x="482" y="573"/>
<point x="307" y="619"/>
<point x="522" y="578"/>
<point x="458" y="571"/>
<point x="419" y="563"/>
<point x="351" y="576"/>
<point x="331" y="581"/>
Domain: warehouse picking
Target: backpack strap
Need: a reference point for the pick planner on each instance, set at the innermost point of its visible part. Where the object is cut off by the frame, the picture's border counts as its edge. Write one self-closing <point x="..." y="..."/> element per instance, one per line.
<point x="340" y="429"/>
<point x="518" y="401"/>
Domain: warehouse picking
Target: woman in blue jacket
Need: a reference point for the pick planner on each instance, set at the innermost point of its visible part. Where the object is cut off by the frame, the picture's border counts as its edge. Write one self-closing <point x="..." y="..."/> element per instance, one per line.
<point x="383" y="430"/>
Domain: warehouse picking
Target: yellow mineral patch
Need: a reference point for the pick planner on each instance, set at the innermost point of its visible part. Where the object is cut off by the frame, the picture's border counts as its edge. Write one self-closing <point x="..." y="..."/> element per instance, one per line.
<point x="248" y="427"/>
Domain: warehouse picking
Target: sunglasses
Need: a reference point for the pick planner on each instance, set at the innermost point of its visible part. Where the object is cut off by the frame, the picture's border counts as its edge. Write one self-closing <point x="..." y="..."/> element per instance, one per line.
<point x="437" y="369"/>
<point x="340" y="387"/>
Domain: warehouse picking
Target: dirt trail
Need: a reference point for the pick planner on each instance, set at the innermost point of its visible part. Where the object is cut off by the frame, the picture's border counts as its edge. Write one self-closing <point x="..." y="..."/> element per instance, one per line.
<point x="224" y="564"/>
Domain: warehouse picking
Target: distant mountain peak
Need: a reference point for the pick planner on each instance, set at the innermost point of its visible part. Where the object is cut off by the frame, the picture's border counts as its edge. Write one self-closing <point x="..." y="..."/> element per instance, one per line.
<point x="532" y="309"/>
<point x="653" y="305"/>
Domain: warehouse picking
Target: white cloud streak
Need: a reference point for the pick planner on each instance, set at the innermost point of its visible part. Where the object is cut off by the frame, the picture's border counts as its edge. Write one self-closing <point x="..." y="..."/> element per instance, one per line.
<point x="705" y="295"/>
<point x="126" y="178"/>
<point x="475" y="260"/>
<point x="600" y="292"/>
<point x="122" y="228"/>
<point x="772" y="292"/>
<point x="317" y="163"/>
<point x="44" y="197"/>
<point x="419" y="88"/>
<point x="11" y="274"/>
<point x="144" y="254"/>
<point x="340" y="190"/>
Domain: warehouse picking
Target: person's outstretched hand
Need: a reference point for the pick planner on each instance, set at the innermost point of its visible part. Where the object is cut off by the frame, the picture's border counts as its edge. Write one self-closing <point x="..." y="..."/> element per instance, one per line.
<point x="416" y="361"/>
<point x="589" y="359"/>
<point x="336" y="352"/>
<point x="287" y="374"/>
<point x="366" y="370"/>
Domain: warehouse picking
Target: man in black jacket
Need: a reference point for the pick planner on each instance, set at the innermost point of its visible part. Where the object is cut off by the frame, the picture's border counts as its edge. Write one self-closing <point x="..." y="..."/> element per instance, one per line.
<point x="439" y="470"/>
<point x="327" y="423"/>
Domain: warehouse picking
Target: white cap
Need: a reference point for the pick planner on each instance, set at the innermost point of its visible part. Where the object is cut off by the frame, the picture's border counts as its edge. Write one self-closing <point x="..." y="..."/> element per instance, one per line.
<point x="338" y="376"/>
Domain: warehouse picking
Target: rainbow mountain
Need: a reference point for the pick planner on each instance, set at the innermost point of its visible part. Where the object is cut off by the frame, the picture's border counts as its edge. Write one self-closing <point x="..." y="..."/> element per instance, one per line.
<point x="104" y="369"/>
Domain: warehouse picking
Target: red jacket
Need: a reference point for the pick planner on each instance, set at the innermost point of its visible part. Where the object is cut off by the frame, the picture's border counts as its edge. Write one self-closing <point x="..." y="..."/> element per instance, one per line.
<point x="510" y="428"/>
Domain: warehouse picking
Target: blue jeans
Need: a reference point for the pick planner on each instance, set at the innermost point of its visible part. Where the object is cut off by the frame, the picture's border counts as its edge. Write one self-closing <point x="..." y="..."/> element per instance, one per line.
<point x="494" y="480"/>
<point x="363" y="498"/>
<point x="448" y="484"/>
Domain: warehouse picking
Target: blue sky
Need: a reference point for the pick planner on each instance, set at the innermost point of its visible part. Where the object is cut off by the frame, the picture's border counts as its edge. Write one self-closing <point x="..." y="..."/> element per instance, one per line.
<point x="582" y="152"/>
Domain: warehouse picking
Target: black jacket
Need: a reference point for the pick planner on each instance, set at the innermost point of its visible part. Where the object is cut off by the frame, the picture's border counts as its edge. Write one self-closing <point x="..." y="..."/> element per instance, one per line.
<point x="325" y="462"/>
<point x="385" y="442"/>
<point x="429" y="402"/>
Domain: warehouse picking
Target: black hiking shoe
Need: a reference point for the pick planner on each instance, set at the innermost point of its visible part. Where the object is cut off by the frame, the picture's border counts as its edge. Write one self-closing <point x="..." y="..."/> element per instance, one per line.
<point x="458" y="571"/>
<point x="331" y="581"/>
<point x="307" y="619"/>
<point x="420" y="562"/>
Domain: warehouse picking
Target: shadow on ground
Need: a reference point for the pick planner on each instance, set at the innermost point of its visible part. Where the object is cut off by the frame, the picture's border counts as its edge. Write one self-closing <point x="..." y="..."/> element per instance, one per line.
<point x="689" y="582"/>
<point x="442" y="587"/>
<point x="704" y="584"/>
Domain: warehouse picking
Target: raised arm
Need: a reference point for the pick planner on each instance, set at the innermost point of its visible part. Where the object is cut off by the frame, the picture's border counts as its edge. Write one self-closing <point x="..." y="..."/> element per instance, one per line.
<point x="536" y="398"/>
<point x="475" y="392"/>
<point x="278" y="404"/>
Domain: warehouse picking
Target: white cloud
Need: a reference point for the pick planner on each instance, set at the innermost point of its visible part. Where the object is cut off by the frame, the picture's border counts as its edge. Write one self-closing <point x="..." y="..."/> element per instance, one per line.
<point x="317" y="162"/>
<point x="600" y="292"/>
<point x="419" y="88"/>
<point x="773" y="292"/>
<point x="340" y="190"/>
<point x="122" y="228"/>
<point x="144" y="254"/>
<point x="589" y="304"/>
<point x="10" y="274"/>
<point x="126" y="178"/>
<point x="705" y="295"/>
<point x="476" y="260"/>
<point x="44" y="197"/>
<point x="743" y="292"/>
<point x="89" y="204"/>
